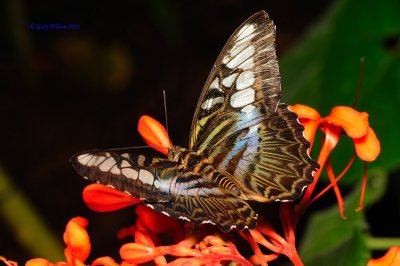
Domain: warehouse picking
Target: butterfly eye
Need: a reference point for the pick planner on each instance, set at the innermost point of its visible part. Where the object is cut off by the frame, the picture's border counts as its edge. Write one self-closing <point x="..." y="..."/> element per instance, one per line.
<point x="174" y="154"/>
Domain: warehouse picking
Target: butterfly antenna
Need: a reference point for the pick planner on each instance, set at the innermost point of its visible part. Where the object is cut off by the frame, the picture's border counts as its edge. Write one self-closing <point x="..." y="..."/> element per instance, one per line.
<point x="165" y="110"/>
<point x="359" y="82"/>
<point x="129" y="148"/>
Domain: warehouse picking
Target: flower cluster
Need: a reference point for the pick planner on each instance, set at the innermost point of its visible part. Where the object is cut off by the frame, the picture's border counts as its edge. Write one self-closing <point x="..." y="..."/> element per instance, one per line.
<point x="205" y="244"/>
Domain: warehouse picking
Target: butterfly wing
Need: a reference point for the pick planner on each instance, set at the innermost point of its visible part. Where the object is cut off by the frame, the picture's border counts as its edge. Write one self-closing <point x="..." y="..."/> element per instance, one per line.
<point x="240" y="125"/>
<point x="143" y="177"/>
<point x="166" y="187"/>
<point x="243" y="85"/>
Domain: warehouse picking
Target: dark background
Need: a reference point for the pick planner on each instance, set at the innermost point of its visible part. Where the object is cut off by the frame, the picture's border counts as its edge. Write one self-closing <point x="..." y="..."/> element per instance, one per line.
<point x="64" y="91"/>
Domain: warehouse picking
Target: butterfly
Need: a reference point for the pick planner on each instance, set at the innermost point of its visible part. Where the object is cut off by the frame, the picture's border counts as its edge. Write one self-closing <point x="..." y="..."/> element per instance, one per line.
<point x="244" y="145"/>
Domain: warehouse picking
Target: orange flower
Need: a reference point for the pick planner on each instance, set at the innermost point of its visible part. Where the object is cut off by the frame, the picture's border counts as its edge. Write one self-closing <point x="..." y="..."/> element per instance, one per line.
<point x="354" y="123"/>
<point x="391" y="258"/>
<point x="78" y="247"/>
<point x="342" y="118"/>
<point x="77" y="240"/>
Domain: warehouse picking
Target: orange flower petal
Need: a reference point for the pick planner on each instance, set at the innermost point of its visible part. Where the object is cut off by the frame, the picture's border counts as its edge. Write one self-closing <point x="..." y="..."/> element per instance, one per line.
<point x="104" y="199"/>
<point x="142" y="237"/>
<point x="104" y="261"/>
<point x="77" y="240"/>
<point x="154" y="134"/>
<point x="391" y="258"/>
<point x="368" y="147"/>
<point x="126" y="232"/>
<point x="353" y="122"/>
<point x="309" y="118"/>
<point x="137" y="253"/>
<point x="305" y="112"/>
<point x="125" y="263"/>
<point x="38" y="262"/>
<point x="159" y="223"/>
<point x="310" y="128"/>
<point x="60" y="263"/>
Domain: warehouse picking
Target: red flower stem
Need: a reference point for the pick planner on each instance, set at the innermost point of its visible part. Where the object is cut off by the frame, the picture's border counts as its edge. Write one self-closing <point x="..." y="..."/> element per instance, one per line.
<point x="246" y="234"/>
<point x="337" y="179"/>
<point x="339" y="197"/>
<point x="331" y="139"/>
<point x="364" y="185"/>
<point x="323" y="156"/>
<point x="265" y="228"/>
<point x="289" y="223"/>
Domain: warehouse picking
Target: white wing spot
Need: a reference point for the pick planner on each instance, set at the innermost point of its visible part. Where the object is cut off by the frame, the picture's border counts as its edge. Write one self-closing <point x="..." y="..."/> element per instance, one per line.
<point x="243" y="97"/>
<point x="208" y="104"/>
<point x="96" y="160"/>
<point x="244" y="55"/>
<point x="248" y="109"/>
<point x="107" y="164"/>
<point x="228" y="81"/>
<point x="246" y="31"/>
<point x="84" y="158"/>
<point x="215" y="85"/>
<point x="130" y="173"/>
<point x="236" y="49"/>
<point x="115" y="170"/>
<point x="146" y="177"/>
<point x="248" y="64"/>
<point x="125" y="163"/>
<point x="165" y="213"/>
<point x="245" y="80"/>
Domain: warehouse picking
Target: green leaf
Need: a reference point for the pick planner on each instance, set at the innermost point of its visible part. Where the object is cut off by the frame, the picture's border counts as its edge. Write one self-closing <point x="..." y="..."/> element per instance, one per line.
<point x="331" y="240"/>
<point x="323" y="70"/>
<point x="24" y="221"/>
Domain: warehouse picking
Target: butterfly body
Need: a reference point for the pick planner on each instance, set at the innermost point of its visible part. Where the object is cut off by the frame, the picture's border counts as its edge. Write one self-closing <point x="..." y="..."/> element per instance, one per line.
<point x="244" y="145"/>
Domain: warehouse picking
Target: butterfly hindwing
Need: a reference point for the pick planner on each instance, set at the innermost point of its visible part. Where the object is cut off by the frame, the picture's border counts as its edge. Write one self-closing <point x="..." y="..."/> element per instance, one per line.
<point x="269" y="160"/>
<point x="221" y="209"/>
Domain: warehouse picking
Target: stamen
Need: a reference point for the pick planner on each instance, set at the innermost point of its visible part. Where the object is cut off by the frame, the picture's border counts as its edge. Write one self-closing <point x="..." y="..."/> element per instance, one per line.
<point x="339" y="197"/>
<point x="364" y="186"/>
<point x="337" y="180"/>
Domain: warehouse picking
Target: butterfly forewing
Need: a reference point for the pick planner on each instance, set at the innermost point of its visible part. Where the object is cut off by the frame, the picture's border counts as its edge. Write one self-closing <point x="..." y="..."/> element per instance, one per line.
<point x="243" y="86"/>
<point x="143" y="177"/>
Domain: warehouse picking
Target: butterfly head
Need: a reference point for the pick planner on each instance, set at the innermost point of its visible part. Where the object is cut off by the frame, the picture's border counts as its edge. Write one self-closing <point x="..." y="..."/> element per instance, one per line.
<point x="176" y="153"/>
